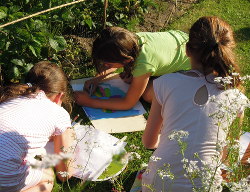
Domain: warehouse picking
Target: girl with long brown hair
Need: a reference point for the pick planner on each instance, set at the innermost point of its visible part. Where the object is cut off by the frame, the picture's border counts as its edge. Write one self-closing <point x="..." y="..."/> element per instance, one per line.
<point x="30" y="116"/>
<point x="141" y="55"/>
<point x="191" y="106"/>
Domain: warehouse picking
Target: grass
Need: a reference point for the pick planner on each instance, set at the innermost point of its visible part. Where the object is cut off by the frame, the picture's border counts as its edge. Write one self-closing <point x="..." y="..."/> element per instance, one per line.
<point x="236" y="13"/>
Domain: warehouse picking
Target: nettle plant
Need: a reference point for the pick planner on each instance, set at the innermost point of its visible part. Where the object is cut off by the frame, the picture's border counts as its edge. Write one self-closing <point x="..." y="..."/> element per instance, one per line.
<point x="42" y="37"/>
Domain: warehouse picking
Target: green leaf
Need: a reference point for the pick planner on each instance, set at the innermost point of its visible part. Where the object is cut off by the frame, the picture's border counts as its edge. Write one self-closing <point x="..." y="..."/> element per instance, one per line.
<point x="17" y="15"/>
<point x="109" y="24"/>
<point x="2" y="14"/>
<point x="36" y="46"/>
<point x="39" y="25"/>
<point x="3" y="38"/>
<point x="16" y="72"/>
<point x="4" y="9"/>
<point x="2" y="44"/>
<point x="27" y="67"/>
<point x="89" y="22"/>
<point x="40" y="38"/>
<point x="53" y="43"/>
<point x="23" y="34"/>
<point x="17" y="62"/>
<point x="14" y="9"/>
<point x="32" y="50"/>
<point x="7" y="46"/>
<point x="67" y="16"/>
<point x="58" y="43"/>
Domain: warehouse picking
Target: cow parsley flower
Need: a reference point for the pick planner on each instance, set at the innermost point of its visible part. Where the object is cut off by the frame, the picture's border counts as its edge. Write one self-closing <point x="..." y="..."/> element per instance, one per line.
<point x="63" y="173"/>
<point x="49" y="160"/>
<point x="154" y="158"/>
<point x="177" y="135"/>
<point x="133" y="155"/>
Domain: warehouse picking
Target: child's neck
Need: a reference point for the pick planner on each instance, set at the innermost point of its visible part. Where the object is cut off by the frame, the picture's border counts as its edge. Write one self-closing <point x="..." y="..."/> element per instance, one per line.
<point x="198" y="67"/>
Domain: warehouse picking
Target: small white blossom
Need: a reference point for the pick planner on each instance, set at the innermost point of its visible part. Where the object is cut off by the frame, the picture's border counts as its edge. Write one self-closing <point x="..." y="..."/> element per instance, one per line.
<point x="227" y="80"/>
<point x="241" y="186"/>
<point x="165" y="173"/>
<point x="184" y="160"/>
<point x="248" y="160"/>
<point x="63" y="173"/>
<point x="134" y="147"/>
<point x="217" y="79"/>
<point x="143" y="165"/>
<point x="235" y="74"/>
<point x="221" y="144"/>
<point x="245" y="78"/>
<point x="154" y="158"/>
<point x="212" y="98"/>
<point x="177" y="135"/>
<point x="133" y="155"/>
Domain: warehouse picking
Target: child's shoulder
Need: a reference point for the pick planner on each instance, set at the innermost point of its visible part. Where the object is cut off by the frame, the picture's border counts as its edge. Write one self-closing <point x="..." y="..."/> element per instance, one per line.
<point x="170" y="78"/>
<point x="163" y="36"/>
<point x="169" y="32"/>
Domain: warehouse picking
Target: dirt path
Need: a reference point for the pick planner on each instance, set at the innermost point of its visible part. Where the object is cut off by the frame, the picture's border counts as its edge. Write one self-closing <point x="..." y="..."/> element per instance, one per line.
<point x="164" y="13"/>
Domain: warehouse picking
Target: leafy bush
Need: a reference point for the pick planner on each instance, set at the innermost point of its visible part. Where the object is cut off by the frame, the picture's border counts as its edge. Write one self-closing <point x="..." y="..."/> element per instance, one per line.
<point x="42" y="37"/>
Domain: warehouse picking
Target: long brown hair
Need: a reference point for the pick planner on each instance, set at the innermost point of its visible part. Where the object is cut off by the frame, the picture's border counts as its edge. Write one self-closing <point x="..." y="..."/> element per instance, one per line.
<point x="44" y="76"/>
<point x="211" y="43"/>
<point x="116" y="45"/>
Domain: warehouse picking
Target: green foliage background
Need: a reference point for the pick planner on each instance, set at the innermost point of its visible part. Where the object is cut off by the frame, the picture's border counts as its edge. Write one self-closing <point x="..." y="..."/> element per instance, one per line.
<point x="42" y="37"/>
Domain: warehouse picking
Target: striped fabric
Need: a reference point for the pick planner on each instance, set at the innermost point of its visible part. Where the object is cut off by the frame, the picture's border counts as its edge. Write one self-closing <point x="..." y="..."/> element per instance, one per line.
<point x="26" y="124"/>
<point x="13" y="150"/>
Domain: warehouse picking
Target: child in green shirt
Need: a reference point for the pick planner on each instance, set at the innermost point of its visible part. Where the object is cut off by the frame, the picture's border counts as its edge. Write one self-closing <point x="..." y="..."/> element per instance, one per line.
<point x="141" y="55"/>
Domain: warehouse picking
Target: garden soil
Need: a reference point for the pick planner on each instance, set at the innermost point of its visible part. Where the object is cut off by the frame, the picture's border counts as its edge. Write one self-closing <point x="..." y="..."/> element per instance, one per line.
<point x="157" y="18"/>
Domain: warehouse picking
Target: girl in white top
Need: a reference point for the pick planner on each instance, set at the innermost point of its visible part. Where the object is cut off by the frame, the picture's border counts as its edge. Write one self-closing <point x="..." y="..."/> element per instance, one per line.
<point x="30" y="116"/>
<point x="185" y="101"/>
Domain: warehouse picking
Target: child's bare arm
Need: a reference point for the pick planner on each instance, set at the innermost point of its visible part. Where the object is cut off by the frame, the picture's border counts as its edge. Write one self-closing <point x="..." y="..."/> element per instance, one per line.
<point x="62" y="143"/>
<point x="97" y="79"/>
<point x="151" y="134"/>
<point x="136" y="89"/>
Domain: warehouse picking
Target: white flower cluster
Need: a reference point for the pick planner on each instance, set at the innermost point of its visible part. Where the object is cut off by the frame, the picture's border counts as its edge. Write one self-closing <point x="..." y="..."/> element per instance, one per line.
<point x="165" y="173"/>
<point x="134" y="147"/>
<point x="210" y="176"/>
<point x="154" y="158"/>
<point x="178" y="135"/>
<point x="50" y="160"/>
<point x="191" y="167"/>
<point x="241" y="186"/>
<point x="133" y="155"/>
<point x="207" y="173"/>
<point x="144" y="165"/>
<point x="63" y="173"/>
<point x="220" y="145"/>
<point x="223" y="80"/>
<point x="245" y="78"/>
<point x="228" y="106"/>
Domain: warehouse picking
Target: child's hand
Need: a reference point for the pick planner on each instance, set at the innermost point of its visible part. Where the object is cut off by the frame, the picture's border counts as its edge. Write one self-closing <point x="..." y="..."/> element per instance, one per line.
<point x="127" y="79"/>
<point x="91" y="85"/>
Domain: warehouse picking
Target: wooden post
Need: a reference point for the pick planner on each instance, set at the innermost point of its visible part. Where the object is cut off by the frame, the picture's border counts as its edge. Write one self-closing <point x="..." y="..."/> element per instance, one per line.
<point x="105" y="13"/>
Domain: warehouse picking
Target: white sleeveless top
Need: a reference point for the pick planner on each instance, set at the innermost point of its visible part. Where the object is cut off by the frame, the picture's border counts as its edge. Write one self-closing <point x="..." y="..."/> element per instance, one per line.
<point x="175" y="93"/>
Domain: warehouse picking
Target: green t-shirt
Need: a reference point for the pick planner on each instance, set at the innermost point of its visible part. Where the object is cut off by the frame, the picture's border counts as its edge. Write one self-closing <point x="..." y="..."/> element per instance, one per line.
<point x="161" y="53"/>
